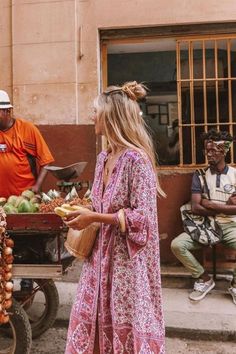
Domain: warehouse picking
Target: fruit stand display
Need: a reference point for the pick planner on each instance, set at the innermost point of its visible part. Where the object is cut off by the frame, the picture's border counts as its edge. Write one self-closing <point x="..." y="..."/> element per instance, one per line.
<point x="18" y="319"/>
<point x="32" y="237"/>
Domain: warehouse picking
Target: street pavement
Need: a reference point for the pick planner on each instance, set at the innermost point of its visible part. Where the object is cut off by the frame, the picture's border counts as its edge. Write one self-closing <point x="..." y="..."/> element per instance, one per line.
<point x="53" y="342"/>
<point x="187" y="323"/>
<point x="212" y="318"/>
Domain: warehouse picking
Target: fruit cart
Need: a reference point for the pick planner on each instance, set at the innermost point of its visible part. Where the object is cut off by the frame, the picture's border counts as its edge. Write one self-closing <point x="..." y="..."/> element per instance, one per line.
<point x="33" y="310"/>
<point x="39" y="256"/>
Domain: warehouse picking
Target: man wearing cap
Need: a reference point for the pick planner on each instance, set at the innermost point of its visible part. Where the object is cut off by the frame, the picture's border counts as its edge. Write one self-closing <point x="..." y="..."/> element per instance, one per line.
<point x="23" y="153"/>
<point x="221" y="182"/>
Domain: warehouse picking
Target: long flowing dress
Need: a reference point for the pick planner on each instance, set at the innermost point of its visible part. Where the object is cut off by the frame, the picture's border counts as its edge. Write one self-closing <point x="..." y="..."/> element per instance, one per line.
<point x="120" y="289"/>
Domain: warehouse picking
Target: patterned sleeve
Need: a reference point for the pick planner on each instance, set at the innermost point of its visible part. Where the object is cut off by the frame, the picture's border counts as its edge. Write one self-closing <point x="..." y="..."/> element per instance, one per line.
<point x="141" y="216"/>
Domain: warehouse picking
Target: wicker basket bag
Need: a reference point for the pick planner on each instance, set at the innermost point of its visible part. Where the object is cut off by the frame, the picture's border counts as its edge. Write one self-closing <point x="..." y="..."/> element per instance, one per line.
<point x="80" y="242"/>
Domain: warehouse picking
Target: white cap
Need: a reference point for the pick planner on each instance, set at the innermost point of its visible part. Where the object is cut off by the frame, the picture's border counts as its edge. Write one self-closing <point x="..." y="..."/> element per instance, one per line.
<point x="4" y="100"/>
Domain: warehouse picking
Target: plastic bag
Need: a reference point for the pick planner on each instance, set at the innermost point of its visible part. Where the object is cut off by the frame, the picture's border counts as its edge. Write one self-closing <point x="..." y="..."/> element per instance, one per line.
<point x="52" y="248"/>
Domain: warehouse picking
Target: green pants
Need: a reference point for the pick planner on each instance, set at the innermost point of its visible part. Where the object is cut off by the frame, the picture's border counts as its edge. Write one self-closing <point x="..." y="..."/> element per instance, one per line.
<point x="182" y="246"/>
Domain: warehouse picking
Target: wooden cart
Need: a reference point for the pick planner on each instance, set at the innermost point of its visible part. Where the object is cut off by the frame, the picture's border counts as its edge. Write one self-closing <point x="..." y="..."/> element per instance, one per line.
<point x="34" y="310"/>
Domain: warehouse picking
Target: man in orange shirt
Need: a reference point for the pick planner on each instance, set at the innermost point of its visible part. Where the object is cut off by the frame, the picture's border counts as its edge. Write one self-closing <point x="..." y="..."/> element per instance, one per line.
<point x="23" y="153"/>
<point x="23" y="156"/>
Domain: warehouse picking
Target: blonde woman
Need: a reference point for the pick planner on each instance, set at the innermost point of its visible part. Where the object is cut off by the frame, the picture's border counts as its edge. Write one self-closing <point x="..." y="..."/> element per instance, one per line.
<point x="118" y="307"/>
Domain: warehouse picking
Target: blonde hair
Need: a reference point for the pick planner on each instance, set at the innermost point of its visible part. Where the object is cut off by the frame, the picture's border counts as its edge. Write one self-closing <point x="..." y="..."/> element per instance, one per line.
<point x="124" y="126"/>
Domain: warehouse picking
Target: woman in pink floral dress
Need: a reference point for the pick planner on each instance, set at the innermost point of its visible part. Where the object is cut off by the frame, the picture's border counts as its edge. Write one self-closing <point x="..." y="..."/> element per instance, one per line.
<point x="118" y="307"/>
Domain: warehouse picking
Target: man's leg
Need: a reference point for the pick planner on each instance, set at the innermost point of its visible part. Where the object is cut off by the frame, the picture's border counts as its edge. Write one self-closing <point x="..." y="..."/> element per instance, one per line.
<point x="181" y="247"/>
<point x="229" y="240"/>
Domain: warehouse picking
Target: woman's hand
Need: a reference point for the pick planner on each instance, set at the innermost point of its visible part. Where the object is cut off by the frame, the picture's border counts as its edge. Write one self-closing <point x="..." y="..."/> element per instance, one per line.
<point x="78" y="220"/>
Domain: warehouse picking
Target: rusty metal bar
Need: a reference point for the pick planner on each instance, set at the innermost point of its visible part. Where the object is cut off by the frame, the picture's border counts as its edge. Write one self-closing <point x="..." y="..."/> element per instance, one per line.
<point x="204" y="84"/>
<point x="216" y="84"/>
<point x="179" y="100"/>
<point x="192" y="113"/>
<point x="204" y="87"/>
<point x="202" y="124"/>
<point x="230" y="96"/>
<point x="210" y="79"/>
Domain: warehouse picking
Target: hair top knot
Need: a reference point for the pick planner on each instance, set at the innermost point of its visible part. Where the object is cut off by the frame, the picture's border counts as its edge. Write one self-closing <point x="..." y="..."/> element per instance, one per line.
<point x="132" y="90"/>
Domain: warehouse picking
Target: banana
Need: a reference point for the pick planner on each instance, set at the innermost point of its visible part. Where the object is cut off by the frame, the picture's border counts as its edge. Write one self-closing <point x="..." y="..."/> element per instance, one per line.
<point x="65" y="209"/>
<point x="68" y="207"/>
<point x="61" y="212"/>
<point x="74" y="207"/>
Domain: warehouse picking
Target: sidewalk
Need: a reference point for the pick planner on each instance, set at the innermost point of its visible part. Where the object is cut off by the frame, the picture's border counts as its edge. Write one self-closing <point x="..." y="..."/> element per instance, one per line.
<point x="212" y="318"/>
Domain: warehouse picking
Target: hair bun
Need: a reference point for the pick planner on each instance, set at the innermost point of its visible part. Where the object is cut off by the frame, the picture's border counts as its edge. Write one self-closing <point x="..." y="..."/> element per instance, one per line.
<point x="134" y="90"/>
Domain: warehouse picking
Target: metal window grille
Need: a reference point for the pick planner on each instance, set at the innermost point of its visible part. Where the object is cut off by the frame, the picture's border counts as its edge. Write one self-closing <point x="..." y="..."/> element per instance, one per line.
<point x="206" y="89"/>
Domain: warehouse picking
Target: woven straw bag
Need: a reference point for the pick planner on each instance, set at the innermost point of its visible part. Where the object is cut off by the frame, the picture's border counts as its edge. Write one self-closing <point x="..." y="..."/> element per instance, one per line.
<point x="80" y="242"/>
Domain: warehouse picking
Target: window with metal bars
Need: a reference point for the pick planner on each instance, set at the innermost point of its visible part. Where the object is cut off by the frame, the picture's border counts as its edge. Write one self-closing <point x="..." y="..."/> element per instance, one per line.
<point x="206" y="90"/>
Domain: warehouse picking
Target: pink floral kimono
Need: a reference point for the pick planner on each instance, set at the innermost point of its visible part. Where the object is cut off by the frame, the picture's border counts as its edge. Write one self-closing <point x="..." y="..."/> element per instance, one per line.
<point x="120" y="287"/>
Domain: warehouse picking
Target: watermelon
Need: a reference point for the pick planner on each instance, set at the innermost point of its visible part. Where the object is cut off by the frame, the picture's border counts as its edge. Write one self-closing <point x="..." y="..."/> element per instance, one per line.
<point x="25" y="207"/>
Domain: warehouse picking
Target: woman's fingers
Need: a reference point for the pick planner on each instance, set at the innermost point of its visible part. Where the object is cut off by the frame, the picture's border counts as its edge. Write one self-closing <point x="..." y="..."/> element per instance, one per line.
<point x="74" y="223"/>
<point x="73" y="214"/>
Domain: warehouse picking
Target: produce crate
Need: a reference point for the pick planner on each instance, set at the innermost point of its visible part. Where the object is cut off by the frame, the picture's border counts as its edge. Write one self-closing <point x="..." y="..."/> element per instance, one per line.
<point x="28" y="223"/>
<point x="24" y="226"/>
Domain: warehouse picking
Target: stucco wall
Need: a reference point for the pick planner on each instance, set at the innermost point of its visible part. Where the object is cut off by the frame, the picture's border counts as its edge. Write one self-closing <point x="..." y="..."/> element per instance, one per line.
<point x="40" y="42"/>
<point x="104" y="14"/>
<point x="38" y="59"/>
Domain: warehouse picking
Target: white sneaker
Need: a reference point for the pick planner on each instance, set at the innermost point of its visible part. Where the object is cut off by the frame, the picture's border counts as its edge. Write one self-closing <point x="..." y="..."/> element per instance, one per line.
<point x="201" y="288"/>
<point x="232" y="291"/>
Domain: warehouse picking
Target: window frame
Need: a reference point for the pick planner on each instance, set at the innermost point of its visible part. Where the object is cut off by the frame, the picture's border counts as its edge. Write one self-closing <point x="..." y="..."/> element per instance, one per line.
<point x="136" y="35"/>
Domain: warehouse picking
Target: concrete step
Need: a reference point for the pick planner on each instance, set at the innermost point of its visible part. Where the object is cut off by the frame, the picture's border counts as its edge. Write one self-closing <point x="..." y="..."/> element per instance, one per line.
<point x="177" y="277"/>
<point x="212" y="318"/>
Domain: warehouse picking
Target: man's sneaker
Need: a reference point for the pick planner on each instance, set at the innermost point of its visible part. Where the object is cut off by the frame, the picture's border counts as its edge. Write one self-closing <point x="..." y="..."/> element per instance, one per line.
<point x="201" y="288"/>
<point x="232" y="291"/>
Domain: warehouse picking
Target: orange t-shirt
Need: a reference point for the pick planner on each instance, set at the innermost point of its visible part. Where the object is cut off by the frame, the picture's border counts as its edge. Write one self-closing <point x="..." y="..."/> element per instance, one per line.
<point x="16" y="143"/>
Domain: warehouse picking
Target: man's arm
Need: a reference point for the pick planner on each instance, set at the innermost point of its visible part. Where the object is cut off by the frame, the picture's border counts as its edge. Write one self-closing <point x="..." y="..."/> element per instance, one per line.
<point x="206" y="207"/>
<point x="42" y="174"/>
<point x="198" y="207"/>
<point x="196" y="197"/>
<point x="218" y="208"/>
<point x="38" y="148"/>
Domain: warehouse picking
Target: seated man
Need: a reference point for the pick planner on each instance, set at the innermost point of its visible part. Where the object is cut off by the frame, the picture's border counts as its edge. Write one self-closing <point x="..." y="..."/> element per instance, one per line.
<point x="221" y="182"/>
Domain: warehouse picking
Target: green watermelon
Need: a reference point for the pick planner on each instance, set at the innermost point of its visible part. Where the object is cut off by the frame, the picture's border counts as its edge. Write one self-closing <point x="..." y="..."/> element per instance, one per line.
<point x="10" y="209"/>
<point x="25" y="206"/>
<point x="12" y="200"/>
<point x="28" y="194"/>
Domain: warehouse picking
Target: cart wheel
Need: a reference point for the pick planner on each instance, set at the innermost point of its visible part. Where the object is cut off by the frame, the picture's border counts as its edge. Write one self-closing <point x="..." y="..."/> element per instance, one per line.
<point x="15" y="336"/>
<point x="41" y="305"/>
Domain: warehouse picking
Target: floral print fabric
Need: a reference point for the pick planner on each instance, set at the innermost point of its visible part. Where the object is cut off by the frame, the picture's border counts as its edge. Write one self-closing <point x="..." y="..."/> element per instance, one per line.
<point x="120" y="287"/>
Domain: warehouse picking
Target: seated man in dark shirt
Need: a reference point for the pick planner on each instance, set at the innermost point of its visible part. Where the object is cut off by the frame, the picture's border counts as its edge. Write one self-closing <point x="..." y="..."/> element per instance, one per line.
<point x="221" y="182"/>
